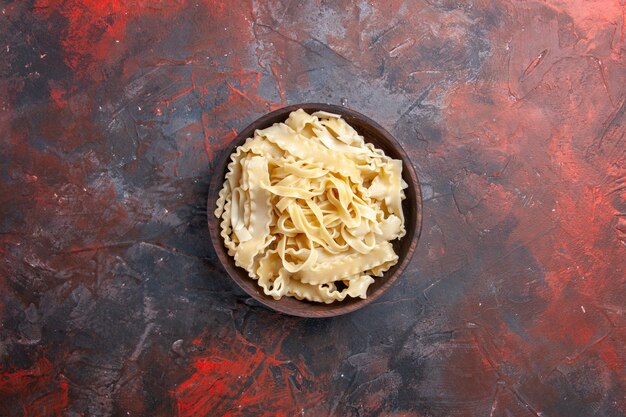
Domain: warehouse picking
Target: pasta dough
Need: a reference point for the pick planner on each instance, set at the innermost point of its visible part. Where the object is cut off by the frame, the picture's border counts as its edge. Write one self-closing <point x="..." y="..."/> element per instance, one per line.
<point x="309" y="209"/>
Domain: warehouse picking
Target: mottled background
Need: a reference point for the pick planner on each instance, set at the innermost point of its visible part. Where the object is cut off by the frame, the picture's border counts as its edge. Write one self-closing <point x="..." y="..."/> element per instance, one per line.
<point x="112" y="301"/>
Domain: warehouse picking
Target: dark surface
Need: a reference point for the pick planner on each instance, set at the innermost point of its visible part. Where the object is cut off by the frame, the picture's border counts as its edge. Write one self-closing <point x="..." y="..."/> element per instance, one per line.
<point x="404" y="248"/>
<point x="513" y="112"/>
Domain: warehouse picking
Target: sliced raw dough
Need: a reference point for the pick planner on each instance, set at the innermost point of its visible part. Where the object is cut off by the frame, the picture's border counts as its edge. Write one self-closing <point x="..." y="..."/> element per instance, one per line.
<point x="307" y="204"/>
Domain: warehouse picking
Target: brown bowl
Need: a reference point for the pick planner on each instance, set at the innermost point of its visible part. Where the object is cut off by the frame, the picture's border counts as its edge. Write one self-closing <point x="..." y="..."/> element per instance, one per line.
<point x="404" y="247"/>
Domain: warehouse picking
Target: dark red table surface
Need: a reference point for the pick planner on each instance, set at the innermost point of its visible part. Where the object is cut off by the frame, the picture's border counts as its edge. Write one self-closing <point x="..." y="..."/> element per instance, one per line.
<point x="112" y="301"/>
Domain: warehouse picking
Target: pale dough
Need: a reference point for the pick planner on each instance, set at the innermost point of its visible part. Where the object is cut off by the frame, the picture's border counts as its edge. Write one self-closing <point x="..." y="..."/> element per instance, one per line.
<point x="307" y="204"/>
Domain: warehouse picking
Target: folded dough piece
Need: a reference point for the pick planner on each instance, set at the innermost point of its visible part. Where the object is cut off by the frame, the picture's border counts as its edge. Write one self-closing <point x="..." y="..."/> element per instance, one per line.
<point x="260" y="213"/>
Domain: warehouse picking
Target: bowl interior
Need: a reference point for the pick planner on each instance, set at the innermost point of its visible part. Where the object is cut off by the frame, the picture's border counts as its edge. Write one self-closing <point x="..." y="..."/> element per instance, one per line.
<point x="404" y="247"/>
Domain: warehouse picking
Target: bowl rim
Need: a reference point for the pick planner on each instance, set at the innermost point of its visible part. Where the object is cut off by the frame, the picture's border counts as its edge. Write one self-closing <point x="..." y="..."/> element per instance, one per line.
<point x="218" y="170"/>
